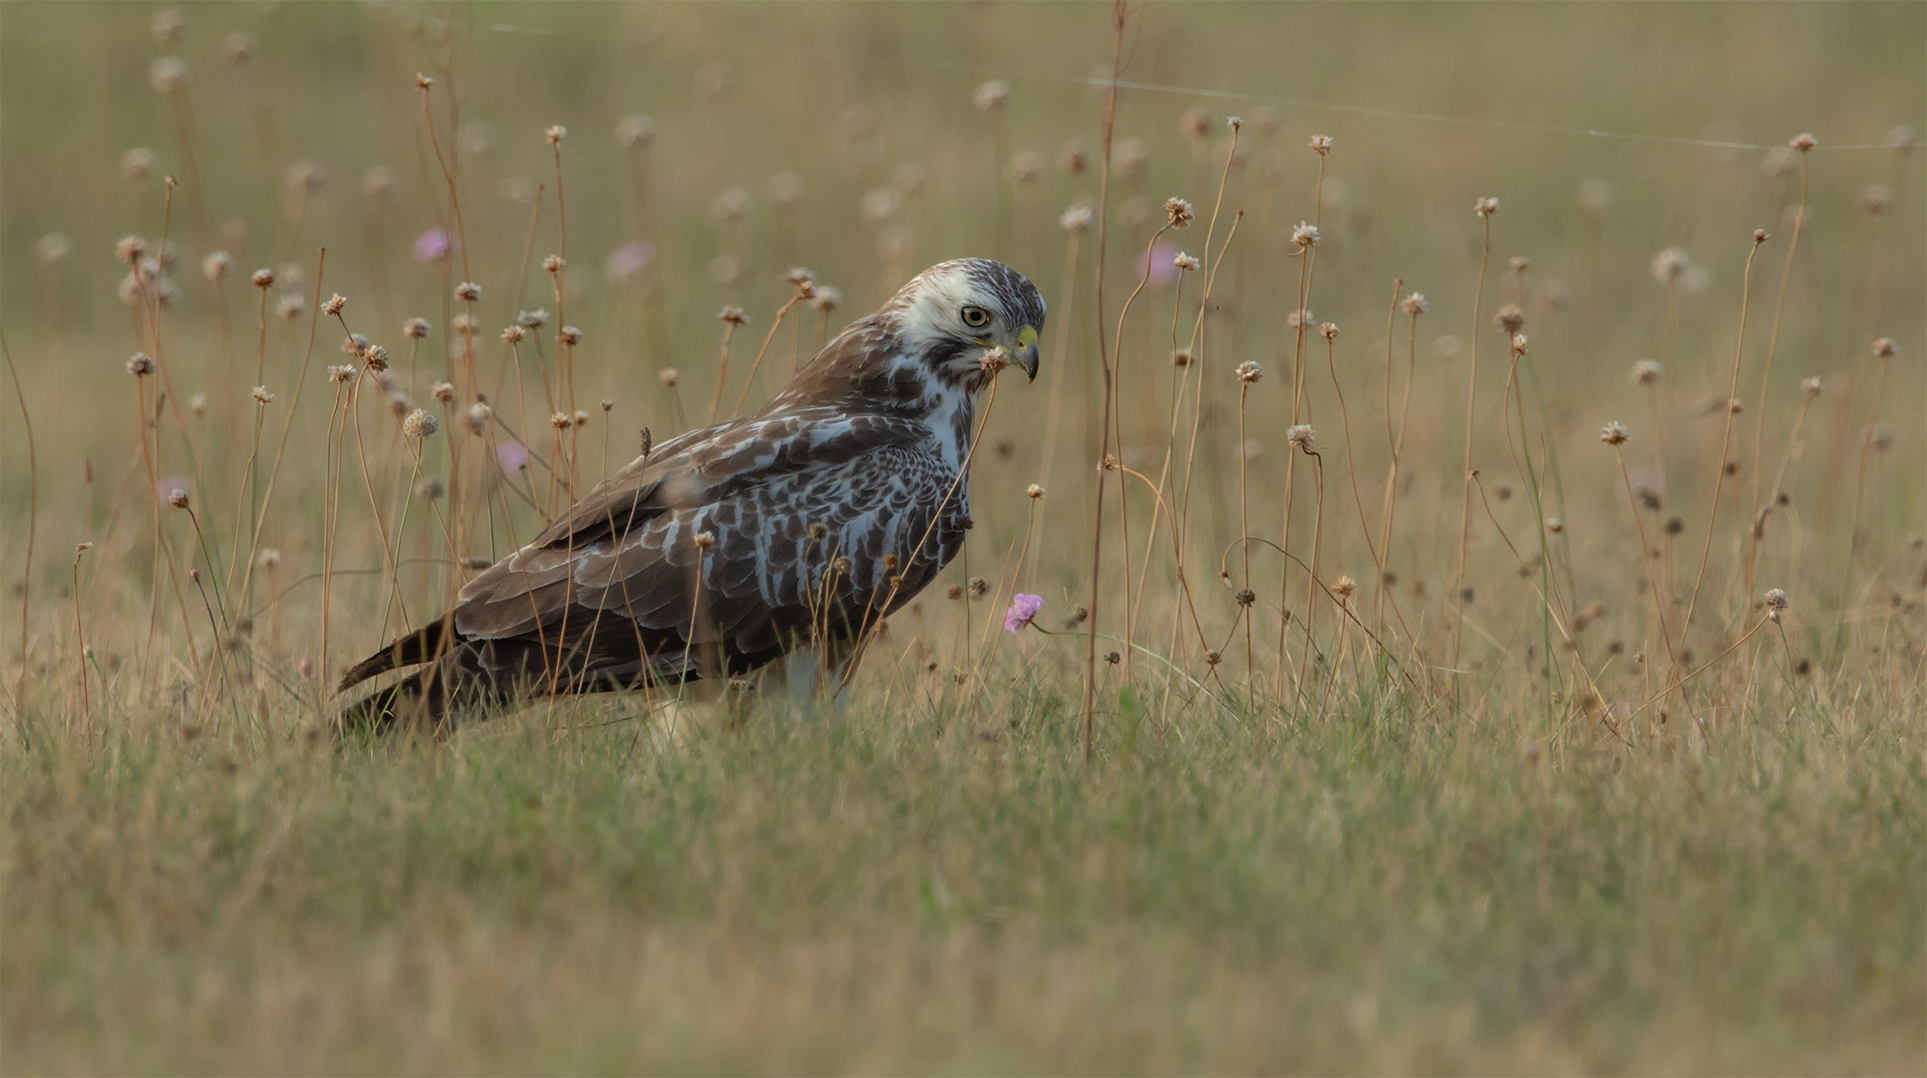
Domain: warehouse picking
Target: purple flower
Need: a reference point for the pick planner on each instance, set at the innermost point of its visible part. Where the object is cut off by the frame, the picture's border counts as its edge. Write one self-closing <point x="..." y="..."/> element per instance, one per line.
<point x="513" y="455"/>
<point x="431" y="245"/>
<point x="1022" y="609"/>
<point x="630" y="257"/>
<point x="1160" y="269"/>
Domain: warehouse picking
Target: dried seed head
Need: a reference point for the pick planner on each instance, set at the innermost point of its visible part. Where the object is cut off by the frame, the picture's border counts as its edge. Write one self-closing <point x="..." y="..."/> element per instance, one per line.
<point x="569" y="335"/>
<point x="994" y="360"/>
<point x="581" y="418"/>
<point x="1074" y="159"/>
<point x="1760" y="236"/>
<point x="991" y="95"/>
<point x="1078" y="219"/>
<point x="818" y="530"/>
<point x="1195" y="124"/>
<point x="733" y="315"/>
<point x="636" y="132"/>
<point x="1321" y="144"/>
<point x="1555" y="525"/>
<point x="51" y="248"/>
<point x="1249" y="372"/>
<point x="1301" y="318"/>
<point x="1184" y="261"/>
<point x="354" y="345"/>
<point x="1613" y="433"/>
<point x="1328" y="330"/>
<point x="826" y="299"/>
<point x="136" y="163"/>
<point x="705" y="540"/>
<point x="1181" y="357"/>
<point x="443" y="392"/>
<point x="1648" y="372"/>
<point x="1510" y="319"/>
<point x="465" y="324"/>
<point x="217" y="265"/>
<point x="1776" y="599"/>
<point x="732" y="205"/>
<point x="130" y="249"/>
<point x="1246" y="597"/>
<point x="415" y="328"/>
<point x="341" y="373"/>
<point x="1802" y="142"/>
<point x="270" y="558"/>
<point x="513" y="335"/>
<point x="420" y="424"/>
<point x="1875" y="198"/>
<point x="262" y="396"/>
<point x="1414" y="304"/>
<point x="1811" y="387"/>
<point x="334" y="305"/>
<point x="239" y="47"/>
<point x="1345" y="588"/>
<point x="1034" y="491"/>
<point x="476" y="417"/>
<point x="1211" y="658"/>
<point x="1178" y="212"/>
<point x="978" y="587"/>
<point x="1485" y="207"/>
<point x="177" y="497"/>
<point x="667" y="376"/>
<point x="468" y="292"/>
<point x="535" y="319"/>
<point x="167" y="74"/>
<point x="140" y="365"/>
<point x="431" y="489"/>
<point x="1518" y="344"/>
<point x="423" y="82"/>
<point x="555" y="134"/>
<point x="1304" y="235"/>
<point x="379" y="181"/>
<point x="1885" y="348"/>
<point x="263" y="278"/>
<point x="1302" y="436"/>
<point x="553" y="264"/>
<point x="1025" y="166"/>
<point x="399" y="404"/>
<point x="608" y="405"/>
<point x="559" y="420"/>
<point x="1520" y="263"/>
<point x="306" y="177"/>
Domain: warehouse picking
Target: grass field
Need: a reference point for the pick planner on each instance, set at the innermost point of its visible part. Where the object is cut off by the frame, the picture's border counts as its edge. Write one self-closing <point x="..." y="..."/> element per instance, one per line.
<point x="1515" y="764"/>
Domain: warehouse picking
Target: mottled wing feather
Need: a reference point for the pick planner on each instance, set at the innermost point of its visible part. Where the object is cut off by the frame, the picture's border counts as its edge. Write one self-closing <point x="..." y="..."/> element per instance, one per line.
<point x="757" y="484"/>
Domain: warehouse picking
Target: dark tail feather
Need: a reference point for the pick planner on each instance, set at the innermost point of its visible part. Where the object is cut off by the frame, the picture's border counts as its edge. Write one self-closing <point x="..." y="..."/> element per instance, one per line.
<point x="417" y="647"/>
<point x="463" y="677"/>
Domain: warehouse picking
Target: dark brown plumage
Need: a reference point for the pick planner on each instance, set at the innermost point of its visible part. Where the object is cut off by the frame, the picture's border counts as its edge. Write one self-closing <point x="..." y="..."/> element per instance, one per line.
<point x="824" y="512"/>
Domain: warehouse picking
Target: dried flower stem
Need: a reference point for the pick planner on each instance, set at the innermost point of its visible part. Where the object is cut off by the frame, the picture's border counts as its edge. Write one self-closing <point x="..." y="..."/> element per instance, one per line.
<point x="1652" y="578"/>
<point x="1726" y="435"/>
<point x="1104" y="363"/>
<point x="757" y="363"/>
<point x="33" y="520"/>
<point x="1766" y="372"/>
<point x="1457" y="597"/>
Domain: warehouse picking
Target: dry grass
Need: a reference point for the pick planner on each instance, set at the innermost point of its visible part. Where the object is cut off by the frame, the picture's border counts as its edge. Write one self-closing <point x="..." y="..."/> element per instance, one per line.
<point x="1600" y="813"/>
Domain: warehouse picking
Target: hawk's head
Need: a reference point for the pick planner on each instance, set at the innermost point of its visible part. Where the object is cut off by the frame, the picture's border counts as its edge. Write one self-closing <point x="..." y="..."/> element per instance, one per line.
<point x="948" y="315"/>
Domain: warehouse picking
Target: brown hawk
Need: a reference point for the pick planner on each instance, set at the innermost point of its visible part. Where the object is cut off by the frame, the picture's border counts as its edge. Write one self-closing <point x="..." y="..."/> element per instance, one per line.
<point x="802" y="524"/>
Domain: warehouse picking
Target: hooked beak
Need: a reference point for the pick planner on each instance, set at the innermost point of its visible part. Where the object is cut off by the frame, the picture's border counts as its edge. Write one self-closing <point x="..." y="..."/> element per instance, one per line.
<point x="1026" y="355"/>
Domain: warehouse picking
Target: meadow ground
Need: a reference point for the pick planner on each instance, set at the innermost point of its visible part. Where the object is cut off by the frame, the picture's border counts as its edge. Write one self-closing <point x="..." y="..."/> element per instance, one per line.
<point x="1552" y="746"/>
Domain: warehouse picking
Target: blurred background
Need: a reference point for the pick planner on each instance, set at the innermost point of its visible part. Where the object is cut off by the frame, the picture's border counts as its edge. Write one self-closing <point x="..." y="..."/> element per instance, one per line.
<point x="711" y="147"/>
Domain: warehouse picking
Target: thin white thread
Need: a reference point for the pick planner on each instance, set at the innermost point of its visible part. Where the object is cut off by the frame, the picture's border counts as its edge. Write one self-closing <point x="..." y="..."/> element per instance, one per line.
<point x="1294" y="102"/>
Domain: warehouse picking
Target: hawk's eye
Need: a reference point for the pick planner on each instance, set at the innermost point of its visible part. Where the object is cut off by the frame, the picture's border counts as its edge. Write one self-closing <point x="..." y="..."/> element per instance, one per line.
<point x="976" y="317"/>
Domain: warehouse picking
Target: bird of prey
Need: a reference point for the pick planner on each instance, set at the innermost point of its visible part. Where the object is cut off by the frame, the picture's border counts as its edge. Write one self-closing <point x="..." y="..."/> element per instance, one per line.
<point x="803" y="524"/>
